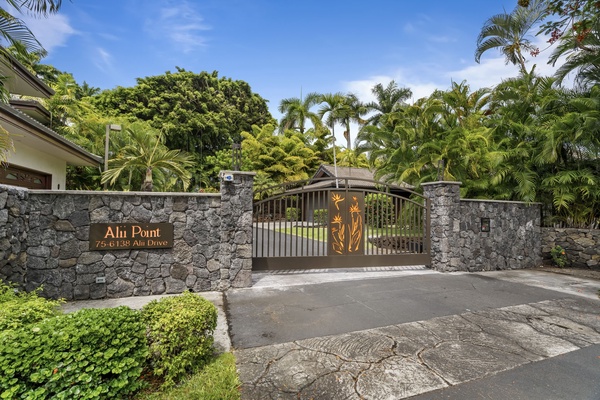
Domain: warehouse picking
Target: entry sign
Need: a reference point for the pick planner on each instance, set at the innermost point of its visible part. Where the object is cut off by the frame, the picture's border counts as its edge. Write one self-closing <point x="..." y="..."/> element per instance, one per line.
<point x="131" y="236"/>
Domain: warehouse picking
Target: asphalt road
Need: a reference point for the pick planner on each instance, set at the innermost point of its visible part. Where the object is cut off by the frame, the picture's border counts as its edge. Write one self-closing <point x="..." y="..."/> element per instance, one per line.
<point x="259" y="317"/>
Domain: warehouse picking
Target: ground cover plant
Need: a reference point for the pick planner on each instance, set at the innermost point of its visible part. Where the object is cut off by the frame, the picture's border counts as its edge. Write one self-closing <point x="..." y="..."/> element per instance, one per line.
<point x="110" y="353"/>
<point x="89" y="354"/>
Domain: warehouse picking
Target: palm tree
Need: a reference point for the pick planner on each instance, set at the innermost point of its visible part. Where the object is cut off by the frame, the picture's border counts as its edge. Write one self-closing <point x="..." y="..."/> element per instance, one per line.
<point x="388" y="100"/>
<point x="331" y="105"/>
<point x="296" y="111"/>
<point x="581" y="55"/>
<point x="14" y="30"/>
<point x="351" y="111"/>
<point x="509" y="33"/>
<point x="147" y="155"/>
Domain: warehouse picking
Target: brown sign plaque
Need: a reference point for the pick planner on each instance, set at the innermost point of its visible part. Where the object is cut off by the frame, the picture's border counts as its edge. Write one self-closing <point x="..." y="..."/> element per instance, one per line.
<point x="131" y="236"/>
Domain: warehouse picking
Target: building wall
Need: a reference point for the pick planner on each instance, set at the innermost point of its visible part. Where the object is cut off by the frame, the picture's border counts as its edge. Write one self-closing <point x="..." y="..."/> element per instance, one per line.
<point x="30" y="158"/>
<point x="46" y="241"/>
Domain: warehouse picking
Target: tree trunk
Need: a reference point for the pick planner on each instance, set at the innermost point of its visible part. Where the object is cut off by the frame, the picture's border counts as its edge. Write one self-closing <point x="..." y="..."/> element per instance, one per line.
<point x="147" y="185"/>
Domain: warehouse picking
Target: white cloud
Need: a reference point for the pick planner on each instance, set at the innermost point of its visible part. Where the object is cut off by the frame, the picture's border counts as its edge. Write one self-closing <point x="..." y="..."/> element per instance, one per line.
<point x="420" y="87"/>
<point x="103" y="59"/>
<point x="181" y="24"/>
<point x="51" y="32"/>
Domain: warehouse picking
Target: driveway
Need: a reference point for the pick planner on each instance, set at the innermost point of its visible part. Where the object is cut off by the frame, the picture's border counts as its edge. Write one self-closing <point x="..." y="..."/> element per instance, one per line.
<point x="397" y="333"/>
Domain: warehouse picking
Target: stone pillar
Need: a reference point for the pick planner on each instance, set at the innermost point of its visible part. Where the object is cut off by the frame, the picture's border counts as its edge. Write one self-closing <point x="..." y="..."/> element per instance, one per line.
<point x="445" y="224"/>
<point x="236" y="228"/>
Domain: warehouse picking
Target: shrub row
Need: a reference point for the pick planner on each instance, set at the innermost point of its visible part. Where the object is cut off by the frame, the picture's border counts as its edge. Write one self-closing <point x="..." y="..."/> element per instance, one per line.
<point x="99" y="353"/>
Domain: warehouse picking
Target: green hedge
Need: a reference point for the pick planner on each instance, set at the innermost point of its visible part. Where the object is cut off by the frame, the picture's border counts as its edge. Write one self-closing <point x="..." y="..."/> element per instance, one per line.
<point x="18" y="308"/>
<point x="89" y="354"/>
<point x="320" y="216"/>
<point x="379" y="210"/>
<point x="292" y="214"/>
<point x="180" y="332"/>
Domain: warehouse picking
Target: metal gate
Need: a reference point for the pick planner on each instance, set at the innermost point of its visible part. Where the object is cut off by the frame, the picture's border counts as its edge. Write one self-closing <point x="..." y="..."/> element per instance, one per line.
<point x="339" y="223"/>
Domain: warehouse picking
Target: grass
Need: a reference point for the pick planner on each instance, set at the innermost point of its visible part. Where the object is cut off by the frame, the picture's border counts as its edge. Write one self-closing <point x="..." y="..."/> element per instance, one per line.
<point x="216" y="381"/>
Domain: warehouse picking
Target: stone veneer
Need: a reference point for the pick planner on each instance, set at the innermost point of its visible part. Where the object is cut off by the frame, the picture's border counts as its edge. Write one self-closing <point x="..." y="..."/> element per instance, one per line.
<point x="458" y="244"/>
<point x="581" y="245"/>
<point x="44" y="240"/>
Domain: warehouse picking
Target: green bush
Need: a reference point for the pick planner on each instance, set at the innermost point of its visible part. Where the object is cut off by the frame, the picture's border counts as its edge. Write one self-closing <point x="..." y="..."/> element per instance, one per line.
<point x="559" y="256"/>
<point x="292" y="214"/>
<point x="19" y="308"/>
<point x="379" y="210"/>
<point x="89" y="354"/>
<point x="320" y="216"/>
<point x="180" y="332"/>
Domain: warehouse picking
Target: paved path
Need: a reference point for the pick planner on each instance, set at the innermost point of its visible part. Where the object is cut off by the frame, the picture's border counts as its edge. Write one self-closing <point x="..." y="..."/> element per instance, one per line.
<point x="430" y="334"/>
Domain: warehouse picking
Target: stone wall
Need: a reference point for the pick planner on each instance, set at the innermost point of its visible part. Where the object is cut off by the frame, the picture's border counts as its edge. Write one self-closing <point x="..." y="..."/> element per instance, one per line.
<point x="457" y="240"/>
<point x="45" y="241"/>
<point x="514" y="239"/>
<point x="14" y="221"/>
<point x="581" y="245"/>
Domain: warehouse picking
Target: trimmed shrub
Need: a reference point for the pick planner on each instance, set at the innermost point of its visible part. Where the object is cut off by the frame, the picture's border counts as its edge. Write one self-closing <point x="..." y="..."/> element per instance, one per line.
<point x="89" y="354"/>
<point x="19" y="308"/>
<point x="180" y="330"/>
<point x="379" y="210"/>
<point x="320" y="216"/>
<point x="292" y="214"/>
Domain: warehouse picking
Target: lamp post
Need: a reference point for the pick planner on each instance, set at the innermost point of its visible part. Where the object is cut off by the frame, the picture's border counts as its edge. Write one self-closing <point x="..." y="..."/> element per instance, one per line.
<point x="109" y="127"/>
<point x="236" y="155"/>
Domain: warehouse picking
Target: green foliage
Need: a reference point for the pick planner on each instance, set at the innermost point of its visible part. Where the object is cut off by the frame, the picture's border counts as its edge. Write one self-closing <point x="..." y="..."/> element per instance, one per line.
<point x="292" y="214"/>
<point x="197" y="113"/>
<point x="19" y="308"/>
<point x="379" y="210"/>
<point x="143" y="157"/>
<point x="284" y="158"/>
<point x="89" y="354"/>
<point x="320" y="216"/>
<point x="180" y="332"/>
<point x="559" y="256"/>
<point x="218" y="380"/>
<point x="524" y="140"/>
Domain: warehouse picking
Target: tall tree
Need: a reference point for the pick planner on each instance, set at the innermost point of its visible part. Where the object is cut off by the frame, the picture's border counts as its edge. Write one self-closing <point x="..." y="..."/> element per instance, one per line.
<point x="387" y="100"/>
<point x="198" y="113"/>
<point x="296" y="111"/>
<point x="509" y="33"/>
<point x="352" y="110"/>
<point x="581" y="55"/>
<point x="282" y="158"/>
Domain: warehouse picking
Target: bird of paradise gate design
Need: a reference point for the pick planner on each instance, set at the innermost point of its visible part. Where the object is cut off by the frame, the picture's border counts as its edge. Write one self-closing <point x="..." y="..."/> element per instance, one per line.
<point x="339" y="227"/>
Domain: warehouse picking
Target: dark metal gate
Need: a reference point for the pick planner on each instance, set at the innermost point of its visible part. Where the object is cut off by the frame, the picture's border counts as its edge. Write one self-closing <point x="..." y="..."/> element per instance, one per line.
<point x="339" y="223"/>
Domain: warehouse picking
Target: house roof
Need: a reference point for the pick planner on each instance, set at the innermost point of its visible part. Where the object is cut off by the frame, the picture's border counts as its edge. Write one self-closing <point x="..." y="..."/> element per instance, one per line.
<point x="32" y="109"/>
<point x="356" y="177"/>
<point x="19" y="80"/>
<point x="28" y="131"/>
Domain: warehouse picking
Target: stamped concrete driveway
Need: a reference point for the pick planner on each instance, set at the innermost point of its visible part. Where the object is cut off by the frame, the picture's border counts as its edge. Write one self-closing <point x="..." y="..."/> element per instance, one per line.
<point x="399" y="334"/>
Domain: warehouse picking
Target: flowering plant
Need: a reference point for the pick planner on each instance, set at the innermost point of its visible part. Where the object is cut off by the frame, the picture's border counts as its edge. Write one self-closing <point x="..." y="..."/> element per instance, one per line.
<point x="559" y="256"/>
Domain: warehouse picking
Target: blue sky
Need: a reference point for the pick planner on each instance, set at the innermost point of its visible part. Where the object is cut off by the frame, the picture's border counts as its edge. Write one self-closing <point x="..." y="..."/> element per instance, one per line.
<point x="281" y="48"/>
